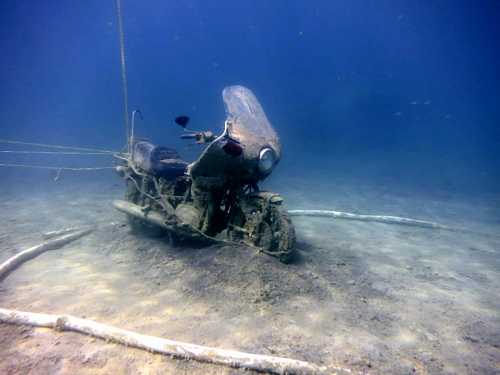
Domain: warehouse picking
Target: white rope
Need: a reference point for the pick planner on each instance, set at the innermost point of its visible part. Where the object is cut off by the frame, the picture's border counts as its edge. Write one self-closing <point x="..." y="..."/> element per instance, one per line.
<point x="12" y="263"/>
<point x="55" y="146"/>
<point x="177" y="349"/>
<point x="9" y="165"/>
<point x="54" y="152"/>
<point x="376" y="218"/>
<point x="123" y="70"/>
<point x="387" y="220"/>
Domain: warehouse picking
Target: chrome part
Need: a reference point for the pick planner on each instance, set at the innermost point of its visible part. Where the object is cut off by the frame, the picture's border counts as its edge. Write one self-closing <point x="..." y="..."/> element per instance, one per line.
<point x="267" y="159"/>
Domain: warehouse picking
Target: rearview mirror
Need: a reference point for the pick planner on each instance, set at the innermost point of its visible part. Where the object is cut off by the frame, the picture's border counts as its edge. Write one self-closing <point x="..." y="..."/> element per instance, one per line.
<point x="182" y="121"/>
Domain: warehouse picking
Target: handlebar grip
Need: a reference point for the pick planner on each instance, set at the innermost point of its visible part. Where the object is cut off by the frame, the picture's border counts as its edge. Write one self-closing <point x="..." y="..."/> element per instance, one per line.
<point x="189" y="136"/>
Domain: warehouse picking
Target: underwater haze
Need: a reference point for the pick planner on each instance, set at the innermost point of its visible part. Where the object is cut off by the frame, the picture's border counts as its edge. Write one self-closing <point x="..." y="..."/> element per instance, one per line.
<point x="382" y="108"/>
<point x="397" y="89"/>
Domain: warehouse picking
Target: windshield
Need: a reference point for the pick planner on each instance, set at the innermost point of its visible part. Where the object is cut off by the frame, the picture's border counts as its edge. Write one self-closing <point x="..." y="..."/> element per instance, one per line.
<point x="236" y="152"/>
<point x="249" y="124"/>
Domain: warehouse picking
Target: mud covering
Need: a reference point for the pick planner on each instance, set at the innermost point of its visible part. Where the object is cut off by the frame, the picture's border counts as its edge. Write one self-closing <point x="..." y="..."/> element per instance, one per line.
<point x="157" y="160"/>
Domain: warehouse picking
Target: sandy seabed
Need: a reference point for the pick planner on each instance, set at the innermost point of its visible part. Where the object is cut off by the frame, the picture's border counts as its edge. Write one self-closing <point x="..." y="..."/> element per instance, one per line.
<point x="371" y="297"/>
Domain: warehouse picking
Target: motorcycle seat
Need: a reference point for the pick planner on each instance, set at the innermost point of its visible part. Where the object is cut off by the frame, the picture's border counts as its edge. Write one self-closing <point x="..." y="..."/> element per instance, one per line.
<point x="170" y="168"/>
<point x="158" y="160"/>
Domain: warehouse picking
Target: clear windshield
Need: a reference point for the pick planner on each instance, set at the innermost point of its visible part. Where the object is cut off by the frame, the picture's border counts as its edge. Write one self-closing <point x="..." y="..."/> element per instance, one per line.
<point x="249" y="124"/>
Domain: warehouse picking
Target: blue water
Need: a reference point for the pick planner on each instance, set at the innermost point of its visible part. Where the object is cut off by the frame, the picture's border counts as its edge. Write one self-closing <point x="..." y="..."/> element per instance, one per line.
<point x="402" y="89"/>
<point x="383" y="107"/>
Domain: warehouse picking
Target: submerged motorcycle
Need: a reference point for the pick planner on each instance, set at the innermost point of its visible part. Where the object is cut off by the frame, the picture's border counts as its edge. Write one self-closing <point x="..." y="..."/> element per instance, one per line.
<point x="215" y="198"/>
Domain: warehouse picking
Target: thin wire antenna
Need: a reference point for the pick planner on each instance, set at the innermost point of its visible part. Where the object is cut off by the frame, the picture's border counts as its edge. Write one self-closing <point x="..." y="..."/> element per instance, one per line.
<point x="132" y="135"/>
<point x="124" y="71"/>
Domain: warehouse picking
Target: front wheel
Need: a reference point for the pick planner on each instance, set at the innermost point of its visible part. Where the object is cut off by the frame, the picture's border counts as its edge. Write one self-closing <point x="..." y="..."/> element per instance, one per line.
<point x="276" y="234"/>
<point x="263" y="222"/>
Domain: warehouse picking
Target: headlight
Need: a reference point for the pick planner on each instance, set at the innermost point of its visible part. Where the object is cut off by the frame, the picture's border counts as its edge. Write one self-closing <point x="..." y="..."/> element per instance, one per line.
<point x="266" y="160"/>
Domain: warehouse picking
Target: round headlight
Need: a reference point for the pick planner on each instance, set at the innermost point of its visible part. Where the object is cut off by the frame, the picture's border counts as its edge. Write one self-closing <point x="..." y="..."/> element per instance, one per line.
<point x="266" y="160"/>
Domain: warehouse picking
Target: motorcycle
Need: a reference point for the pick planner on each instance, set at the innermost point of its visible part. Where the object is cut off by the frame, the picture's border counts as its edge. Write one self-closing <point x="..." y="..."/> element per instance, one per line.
<point x="217" y="197"/>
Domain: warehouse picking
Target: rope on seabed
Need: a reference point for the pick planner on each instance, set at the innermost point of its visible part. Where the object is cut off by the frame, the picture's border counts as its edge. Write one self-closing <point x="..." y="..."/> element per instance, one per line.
<point x="178" y="349"/>
<point x="386" y="219"/>
<point x="376" y="218"/>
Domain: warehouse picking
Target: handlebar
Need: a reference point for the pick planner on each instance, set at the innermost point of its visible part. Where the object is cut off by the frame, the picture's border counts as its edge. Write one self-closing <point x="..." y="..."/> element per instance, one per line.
<point x="199" y="137"/>
<point x="190" y="136"/>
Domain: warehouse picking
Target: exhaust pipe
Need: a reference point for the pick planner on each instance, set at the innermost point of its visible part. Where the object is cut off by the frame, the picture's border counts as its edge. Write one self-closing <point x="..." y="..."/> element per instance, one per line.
<point x="136" y="211"/>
